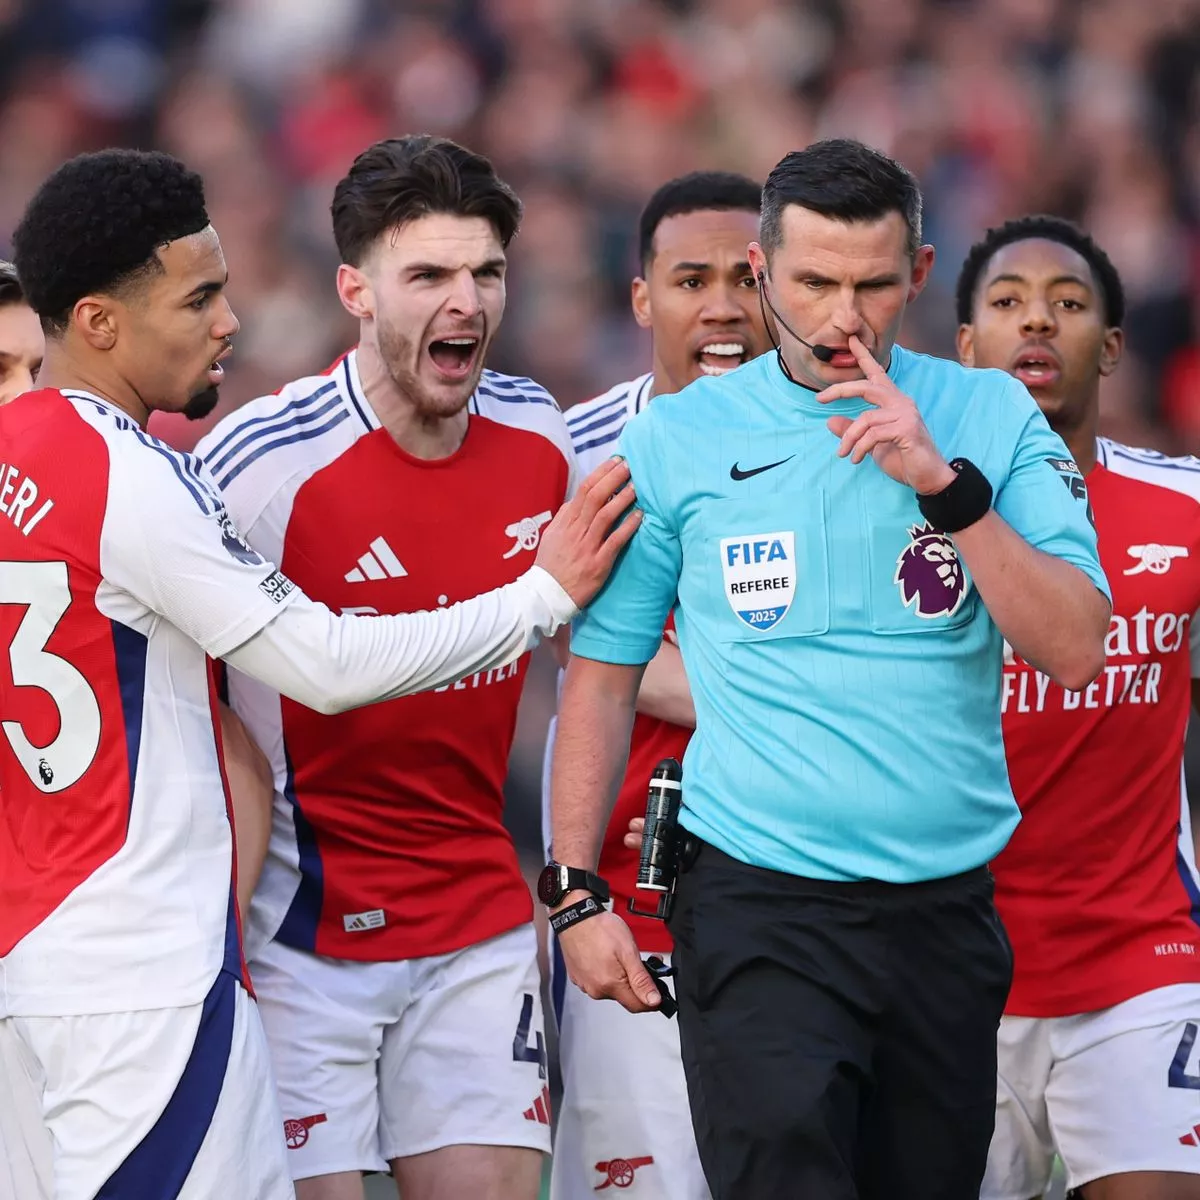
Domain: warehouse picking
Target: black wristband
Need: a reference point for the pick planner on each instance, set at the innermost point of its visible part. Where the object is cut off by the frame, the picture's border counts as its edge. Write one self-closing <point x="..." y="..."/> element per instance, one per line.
<point x="589" y="906"/>
<point x="962" y="502"/>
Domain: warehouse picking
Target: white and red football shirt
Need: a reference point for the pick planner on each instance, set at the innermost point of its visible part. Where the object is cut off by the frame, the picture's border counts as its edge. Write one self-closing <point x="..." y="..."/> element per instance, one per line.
<point x="1098" y="886"/>
<point x="388" y="842"/>
<point x="595" y="426"/>
<point x="119" y="570"/>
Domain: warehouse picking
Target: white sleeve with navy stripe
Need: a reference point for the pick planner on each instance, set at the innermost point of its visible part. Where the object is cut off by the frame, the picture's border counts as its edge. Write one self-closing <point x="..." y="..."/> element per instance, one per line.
<point x="595" y="425"/>
<point x="170" y="547"/>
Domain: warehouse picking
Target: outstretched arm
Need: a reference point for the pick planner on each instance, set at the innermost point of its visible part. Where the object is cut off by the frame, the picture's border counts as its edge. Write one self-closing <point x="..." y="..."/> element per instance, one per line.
<point x="191" y="566"/>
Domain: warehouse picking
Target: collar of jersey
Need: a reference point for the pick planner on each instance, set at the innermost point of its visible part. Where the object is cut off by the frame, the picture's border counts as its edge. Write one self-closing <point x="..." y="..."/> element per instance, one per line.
<point x="82" y="394"/>
<point x="358" y="394"/>
<point x="805" y="398"/>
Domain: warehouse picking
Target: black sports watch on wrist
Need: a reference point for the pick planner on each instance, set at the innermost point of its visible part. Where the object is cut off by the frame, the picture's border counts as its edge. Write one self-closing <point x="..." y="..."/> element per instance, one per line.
<point x="556" y="881"/>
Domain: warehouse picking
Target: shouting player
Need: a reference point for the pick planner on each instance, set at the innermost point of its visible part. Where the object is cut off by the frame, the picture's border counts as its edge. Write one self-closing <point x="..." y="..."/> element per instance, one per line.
<point x="1098" y="890"/>
<point x="400" y="990"/>
<point x="624" y="1107"/>
<point x="121" y="971"/>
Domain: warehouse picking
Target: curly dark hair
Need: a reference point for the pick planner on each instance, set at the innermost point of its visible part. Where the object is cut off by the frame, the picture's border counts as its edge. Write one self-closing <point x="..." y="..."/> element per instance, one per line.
<point x="400" y="179"/>
<point x="1051" y="229"/>
<point x="96" y="223"/>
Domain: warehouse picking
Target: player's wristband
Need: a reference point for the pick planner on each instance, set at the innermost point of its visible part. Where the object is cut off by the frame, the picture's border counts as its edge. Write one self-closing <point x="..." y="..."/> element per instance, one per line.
<point x="589" y="906"/>
<point x="961" y="502"/>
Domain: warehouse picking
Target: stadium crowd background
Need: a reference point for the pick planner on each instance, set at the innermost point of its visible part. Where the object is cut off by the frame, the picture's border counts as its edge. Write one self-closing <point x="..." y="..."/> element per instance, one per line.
<point x="1081" y="107"/>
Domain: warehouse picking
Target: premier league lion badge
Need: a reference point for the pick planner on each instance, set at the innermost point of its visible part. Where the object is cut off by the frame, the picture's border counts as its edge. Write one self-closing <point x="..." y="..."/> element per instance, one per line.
<point x="929" y="574"/>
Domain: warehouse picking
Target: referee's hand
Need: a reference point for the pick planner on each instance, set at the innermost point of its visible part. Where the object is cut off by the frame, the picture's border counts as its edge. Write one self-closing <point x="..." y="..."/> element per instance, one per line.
<point x="603" y="961"/>
<point x="581" y="544"/>
<point x="891" y="431"/>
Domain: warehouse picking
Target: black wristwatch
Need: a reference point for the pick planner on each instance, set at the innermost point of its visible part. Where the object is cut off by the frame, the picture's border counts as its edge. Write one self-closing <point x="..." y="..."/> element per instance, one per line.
<point x="556" y="881"/>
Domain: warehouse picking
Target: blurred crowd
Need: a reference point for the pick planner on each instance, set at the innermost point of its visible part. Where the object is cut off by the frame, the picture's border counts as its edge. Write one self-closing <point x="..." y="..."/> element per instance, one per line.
<point x="1081" y="107"/>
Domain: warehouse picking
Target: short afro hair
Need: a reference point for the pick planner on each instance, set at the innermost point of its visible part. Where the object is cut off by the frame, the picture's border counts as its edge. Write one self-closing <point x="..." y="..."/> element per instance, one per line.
<point x="97" y="223"/>
<point x="402" y="179"/>
<point x="11" y="291"/>
<point x="1051" y="229"/>
<point x="701" y="191"/>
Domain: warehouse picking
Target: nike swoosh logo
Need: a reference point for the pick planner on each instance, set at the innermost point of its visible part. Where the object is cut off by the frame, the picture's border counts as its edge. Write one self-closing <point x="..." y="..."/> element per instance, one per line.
<point x="736" y="472"/>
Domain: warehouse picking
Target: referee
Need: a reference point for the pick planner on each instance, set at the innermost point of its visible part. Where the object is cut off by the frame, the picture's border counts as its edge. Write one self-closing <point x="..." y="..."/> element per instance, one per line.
<point x="849" y="530"/>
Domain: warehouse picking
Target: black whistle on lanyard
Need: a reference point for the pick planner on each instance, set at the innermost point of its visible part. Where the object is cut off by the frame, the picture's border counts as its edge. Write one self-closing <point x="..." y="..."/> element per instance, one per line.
<point x="658" y="866"/>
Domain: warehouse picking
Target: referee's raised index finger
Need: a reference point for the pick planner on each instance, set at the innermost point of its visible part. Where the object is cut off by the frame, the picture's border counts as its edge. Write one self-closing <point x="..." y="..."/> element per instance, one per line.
<point x="870" y="368"/>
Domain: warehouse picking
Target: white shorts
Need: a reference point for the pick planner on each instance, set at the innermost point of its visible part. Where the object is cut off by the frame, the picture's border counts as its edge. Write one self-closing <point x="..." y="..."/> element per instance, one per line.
<point x="173" y="1102"/>
<point x="26" y="1160"/>
<point x="1111" y="1091"/>
<point x="624" y="1121"/>
<point x="380" y="1060"/>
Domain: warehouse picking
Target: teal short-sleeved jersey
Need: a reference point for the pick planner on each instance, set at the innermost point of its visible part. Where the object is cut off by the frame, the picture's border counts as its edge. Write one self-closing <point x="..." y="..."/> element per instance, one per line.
<point x="846" y="675"/>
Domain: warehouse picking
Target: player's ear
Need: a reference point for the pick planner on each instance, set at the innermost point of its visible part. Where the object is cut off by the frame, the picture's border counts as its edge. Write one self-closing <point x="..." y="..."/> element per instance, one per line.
<point x="1110" y="353"/>
<point x="96" y="321"/>
<point x="965" y="343"/>
<point x="640" y="297"/>
<point x="355" y="292"/>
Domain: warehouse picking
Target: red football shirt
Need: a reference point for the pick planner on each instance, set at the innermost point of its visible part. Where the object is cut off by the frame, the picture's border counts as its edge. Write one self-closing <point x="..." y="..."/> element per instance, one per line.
<point x="1098" y="886"/>
<point x="119" y="569"/>
<point x="388" y="842"/>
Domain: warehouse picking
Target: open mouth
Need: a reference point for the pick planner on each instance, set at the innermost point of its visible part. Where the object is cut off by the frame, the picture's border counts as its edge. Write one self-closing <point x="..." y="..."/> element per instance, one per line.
<point x="842" y="358"/>
<point x="1036" y="369"/>
<point x="719" y="358"/>
<point x="454" y="357"/>
<point x="216" y="372"/>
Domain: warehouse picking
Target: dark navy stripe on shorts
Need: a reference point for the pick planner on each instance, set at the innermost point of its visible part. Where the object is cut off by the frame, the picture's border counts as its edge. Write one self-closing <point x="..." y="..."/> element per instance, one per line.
<point x="558" y="981"/>
<point x="158" y="1167"/>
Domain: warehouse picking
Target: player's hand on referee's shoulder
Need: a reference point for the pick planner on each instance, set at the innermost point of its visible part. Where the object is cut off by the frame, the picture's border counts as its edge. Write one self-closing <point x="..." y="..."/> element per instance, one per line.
<point x="891" y="431"/>
<point x="581" y="544"/>
<point x="602" y="960"/>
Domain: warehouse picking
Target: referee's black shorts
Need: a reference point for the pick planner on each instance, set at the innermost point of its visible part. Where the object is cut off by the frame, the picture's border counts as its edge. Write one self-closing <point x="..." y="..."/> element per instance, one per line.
<point x="839" y="1039"/>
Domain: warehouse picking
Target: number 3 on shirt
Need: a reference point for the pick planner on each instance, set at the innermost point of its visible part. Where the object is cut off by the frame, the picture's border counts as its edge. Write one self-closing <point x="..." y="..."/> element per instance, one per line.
<point x="42" y="589"/>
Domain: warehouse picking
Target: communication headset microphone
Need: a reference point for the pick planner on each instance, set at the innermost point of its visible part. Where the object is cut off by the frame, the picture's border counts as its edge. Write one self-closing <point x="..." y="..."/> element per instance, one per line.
<point x="820" y="353"/>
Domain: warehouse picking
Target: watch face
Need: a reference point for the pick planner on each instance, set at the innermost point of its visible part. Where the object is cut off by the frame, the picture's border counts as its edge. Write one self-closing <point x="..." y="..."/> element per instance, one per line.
<point x="549" y="886"/>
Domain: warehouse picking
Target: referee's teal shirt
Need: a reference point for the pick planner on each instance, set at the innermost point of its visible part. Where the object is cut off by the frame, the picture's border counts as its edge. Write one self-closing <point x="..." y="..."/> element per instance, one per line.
<point x="846" y="674"/>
